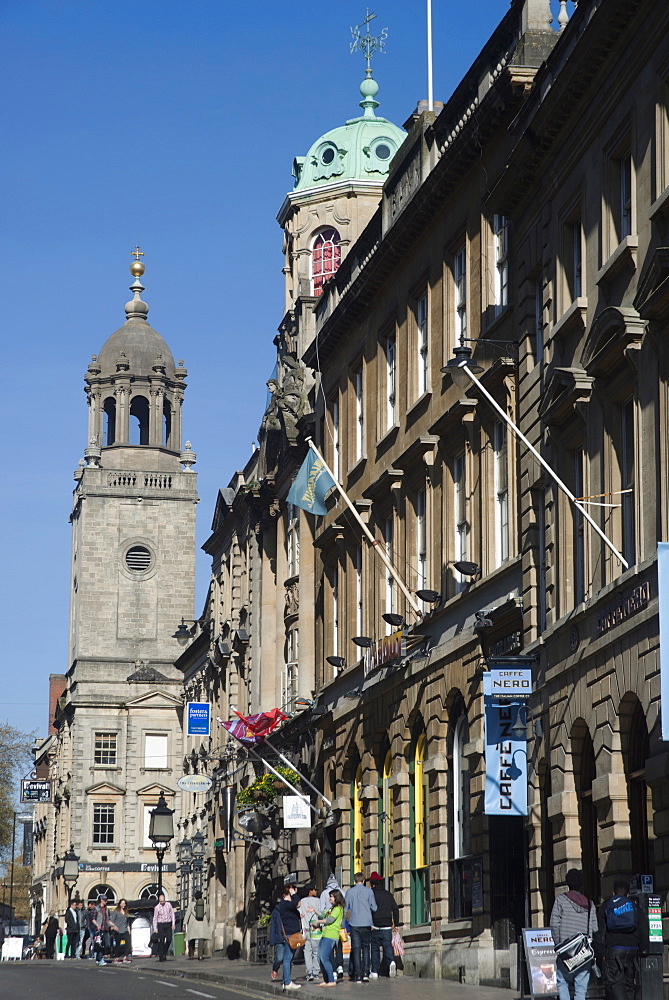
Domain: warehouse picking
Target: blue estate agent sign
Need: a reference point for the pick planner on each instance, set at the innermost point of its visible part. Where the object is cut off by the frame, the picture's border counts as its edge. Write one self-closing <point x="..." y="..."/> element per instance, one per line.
<point x="197" y="713"/>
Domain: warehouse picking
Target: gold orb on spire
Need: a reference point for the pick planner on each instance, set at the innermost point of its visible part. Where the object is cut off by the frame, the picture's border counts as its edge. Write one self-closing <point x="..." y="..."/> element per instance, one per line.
<point x="137" y="268"/>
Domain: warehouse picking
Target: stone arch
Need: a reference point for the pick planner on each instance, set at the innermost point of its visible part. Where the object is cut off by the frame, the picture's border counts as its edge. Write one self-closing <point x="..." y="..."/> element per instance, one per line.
<point x="584" y="770"/>
<point x="139" y="420"/>
<point x="635" y="749"/>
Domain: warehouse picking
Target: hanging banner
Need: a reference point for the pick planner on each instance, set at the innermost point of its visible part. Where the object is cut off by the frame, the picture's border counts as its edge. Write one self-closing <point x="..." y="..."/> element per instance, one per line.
<point x="505" y="756"/>
<point x="197" y="715"/>
<point x="296" y="812"/>
<point x="663" y="614"/>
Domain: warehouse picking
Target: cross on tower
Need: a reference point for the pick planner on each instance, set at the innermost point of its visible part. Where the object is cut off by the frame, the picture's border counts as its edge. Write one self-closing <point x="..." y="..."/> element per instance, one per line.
<point x="368" y="44"/>
<point x="136" y="253"/>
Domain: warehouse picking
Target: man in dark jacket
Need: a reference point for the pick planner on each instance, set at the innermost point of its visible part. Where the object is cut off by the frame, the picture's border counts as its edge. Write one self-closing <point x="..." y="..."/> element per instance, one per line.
<point x="386" y="915"/>
<point x="622" y="935"/>
<point x="72" y="928"/>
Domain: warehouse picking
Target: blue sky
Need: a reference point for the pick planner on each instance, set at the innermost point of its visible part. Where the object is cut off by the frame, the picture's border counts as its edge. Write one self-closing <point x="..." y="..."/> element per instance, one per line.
<point x="173" y="126"/>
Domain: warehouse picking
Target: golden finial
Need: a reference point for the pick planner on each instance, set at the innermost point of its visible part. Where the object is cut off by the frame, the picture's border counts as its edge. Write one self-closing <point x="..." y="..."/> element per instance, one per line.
<point x="137" y="268"/>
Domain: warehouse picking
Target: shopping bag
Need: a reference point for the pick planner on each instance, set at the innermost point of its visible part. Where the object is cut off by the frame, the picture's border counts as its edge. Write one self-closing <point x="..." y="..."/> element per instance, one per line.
<point x="397" y="943"/>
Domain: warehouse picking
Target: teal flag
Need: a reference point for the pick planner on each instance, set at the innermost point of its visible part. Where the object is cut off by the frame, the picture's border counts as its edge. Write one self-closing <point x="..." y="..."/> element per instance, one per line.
<point x="311" y="484"/>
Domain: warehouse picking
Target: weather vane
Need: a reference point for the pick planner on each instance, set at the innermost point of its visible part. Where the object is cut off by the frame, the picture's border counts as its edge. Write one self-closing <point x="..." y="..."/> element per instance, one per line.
<point x="368" y="44"/>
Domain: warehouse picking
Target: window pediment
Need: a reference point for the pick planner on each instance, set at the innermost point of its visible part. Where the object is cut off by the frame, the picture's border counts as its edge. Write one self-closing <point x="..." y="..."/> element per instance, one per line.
<point x="105" y="788"/>
<point x="567" y="390"/>
<point x="613" y="331"/>
<point x="652" y="297"/>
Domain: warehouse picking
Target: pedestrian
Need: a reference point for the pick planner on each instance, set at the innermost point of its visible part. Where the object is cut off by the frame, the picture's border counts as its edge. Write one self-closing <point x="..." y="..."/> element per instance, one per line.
<point x="120" y="928"/>
<point x="309" y="910"/>
<point x="89" y="932"/>
<point x="360" y="905"/>
<point x="622" y="935"/>
<point x="102" y="931"/>
<point x="573" y="913"/>
<point x="81" y="920"/>
<point x="331" y="923"/>
<point x="291" y="923"/>
<point x="324" y="904"/>
<point x="50" y="931"/>
<point x="163" y="925"/>
<point x="72" y="930"/>
<point x="197" y="926"/>
<point x="275" y="940"/>
<point x="386" y="916"/>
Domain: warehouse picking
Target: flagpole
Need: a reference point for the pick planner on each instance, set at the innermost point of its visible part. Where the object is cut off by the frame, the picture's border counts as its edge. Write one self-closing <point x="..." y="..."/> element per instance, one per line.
<point x="378" y="546"/>
<point x="293" y="768"/>
<point x="430" y="96"/>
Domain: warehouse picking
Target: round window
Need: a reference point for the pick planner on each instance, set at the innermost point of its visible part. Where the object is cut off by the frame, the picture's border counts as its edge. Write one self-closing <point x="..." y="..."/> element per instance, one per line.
<point x="383" y="151"/>
<point x="138" y="559"/>
<point x="328" y="155"/>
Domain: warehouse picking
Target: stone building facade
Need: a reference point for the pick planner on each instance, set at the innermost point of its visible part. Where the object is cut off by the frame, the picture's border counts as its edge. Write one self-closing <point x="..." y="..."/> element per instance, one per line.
<point x="524" y="224"/>
<point x="117" y="741"/>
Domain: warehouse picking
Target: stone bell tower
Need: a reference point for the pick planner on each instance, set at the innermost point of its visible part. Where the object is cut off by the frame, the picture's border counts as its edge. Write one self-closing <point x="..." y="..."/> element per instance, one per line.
<point x="132" y="581"/>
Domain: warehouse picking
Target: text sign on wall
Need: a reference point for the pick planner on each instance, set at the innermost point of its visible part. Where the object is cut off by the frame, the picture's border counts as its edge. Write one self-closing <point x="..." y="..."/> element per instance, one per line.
<point x="655" y="919"/>
<point x="391" y="647"/>
<point x="35" y="791"/>
<point x="505" y="755"/>
<point x="510" y="684"/>
<point x="198" y="714"/>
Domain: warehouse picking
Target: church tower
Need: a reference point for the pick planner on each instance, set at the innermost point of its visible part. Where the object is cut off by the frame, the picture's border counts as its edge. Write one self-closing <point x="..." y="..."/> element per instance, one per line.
<point x="133" y="579"/>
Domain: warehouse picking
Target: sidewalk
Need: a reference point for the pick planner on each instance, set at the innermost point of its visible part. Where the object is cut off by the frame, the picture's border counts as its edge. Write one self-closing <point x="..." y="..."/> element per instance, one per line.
<point x="257" y="977"/>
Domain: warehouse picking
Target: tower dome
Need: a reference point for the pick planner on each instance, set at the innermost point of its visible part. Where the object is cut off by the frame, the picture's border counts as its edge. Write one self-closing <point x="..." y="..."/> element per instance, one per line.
<point x="136" y="341"/>
<point x="135" y="392"/>
<point x="359" y="150"/>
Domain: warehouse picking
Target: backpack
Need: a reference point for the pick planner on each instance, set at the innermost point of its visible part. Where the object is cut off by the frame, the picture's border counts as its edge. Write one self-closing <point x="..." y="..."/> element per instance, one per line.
<point x="199" y="909"/>
<point x="620" y="914"/>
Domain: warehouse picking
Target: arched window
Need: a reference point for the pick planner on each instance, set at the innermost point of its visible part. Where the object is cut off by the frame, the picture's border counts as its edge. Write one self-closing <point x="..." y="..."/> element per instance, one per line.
<point x="420" y="861"/>
<point x="139" y="420"/>
<point x="385" y="831"/>
<point x="583" y="757"/>
<point x="460" y="818"/>
<point x="325" y="258"/>
<point x="167" y="423"/>
<point x="96" y="891"/>
<point x="356" y="822"/>
<point x="151" y="890"/>
<point x="109" y="422"/>
<point x="636" y="751"/>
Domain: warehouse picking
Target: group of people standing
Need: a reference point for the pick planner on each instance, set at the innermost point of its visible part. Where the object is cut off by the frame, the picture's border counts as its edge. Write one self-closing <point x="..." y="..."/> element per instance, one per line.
<point x="618" y="932"/>
<point x="365" y="913"/>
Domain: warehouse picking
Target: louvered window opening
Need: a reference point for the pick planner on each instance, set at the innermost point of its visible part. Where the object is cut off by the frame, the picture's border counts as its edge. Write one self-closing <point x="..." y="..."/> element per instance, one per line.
<point x="138" y="559"/>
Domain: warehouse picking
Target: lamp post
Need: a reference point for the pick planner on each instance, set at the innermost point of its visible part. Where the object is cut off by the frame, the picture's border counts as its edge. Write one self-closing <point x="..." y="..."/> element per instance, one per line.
<point x="70" y="872"/>
<point x="199" y="841"/>
<point x="161" y="832"/>
<point x="184" y="855"/>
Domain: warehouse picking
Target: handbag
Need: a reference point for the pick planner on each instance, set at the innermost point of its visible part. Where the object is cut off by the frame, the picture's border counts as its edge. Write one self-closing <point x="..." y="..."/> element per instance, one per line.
<point x="295" y="940"/>
<point x="397" y="942"/>
<point x="343" y="936"/>
<point x="576" y="953"/>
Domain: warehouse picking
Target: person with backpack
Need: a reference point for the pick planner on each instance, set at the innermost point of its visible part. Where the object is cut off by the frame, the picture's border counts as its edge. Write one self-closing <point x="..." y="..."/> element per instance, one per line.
<point x="622" y="936"/>
<point x="573" y="914"/>
<point x="197" y="926"/>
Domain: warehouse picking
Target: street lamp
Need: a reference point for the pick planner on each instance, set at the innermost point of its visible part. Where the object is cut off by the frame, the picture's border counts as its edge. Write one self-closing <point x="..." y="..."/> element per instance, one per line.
<point x="199" y="841"/>
<point x="161" y="832"/>
<point x="70" y="872"/>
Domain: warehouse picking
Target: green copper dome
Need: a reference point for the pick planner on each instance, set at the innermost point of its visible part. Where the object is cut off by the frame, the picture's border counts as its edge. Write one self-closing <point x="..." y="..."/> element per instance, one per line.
<point x="359" y="150"/>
